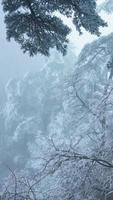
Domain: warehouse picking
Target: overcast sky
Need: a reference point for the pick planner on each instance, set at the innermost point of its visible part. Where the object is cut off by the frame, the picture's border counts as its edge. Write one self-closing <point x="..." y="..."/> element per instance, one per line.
<point x="13" y="63"/>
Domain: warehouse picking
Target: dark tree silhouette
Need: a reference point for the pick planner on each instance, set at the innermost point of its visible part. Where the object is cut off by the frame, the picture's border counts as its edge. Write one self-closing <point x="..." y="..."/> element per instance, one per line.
<point x="34" y="26"/>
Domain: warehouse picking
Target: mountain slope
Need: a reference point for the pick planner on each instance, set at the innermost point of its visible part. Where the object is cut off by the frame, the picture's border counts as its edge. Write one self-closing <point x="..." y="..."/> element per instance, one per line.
<point x="107" y="6"/>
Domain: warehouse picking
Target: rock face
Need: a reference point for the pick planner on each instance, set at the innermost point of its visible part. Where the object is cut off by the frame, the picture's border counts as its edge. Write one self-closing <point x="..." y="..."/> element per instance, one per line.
<point x="88" y="114"/>
<point x="88" y="82"/>
<point x="75" y="107"/>
<point x="109" y="196"/>
<point x="44" y="103"/>
<point x="32" y="104"/>
<point x="107" y="6"/>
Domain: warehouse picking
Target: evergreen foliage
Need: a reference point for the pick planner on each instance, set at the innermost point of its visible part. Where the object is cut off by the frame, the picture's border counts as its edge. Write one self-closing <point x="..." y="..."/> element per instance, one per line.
<point x="34" y="26"/>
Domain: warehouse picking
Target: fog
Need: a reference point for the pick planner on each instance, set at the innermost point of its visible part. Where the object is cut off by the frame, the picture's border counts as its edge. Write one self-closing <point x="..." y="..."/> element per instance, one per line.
<point x="13" y="63"/>
<point x="56" y="112"/>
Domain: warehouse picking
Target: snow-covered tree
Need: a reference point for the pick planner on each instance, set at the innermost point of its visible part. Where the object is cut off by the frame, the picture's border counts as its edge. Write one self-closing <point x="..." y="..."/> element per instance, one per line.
<point x="106" y="6"/>
<point x="88" y="120"/>
<point x="34" y="25"/>
<point x="32" y="110"/>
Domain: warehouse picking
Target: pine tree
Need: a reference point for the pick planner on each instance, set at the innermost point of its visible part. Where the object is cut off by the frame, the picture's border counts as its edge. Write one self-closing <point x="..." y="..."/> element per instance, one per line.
<point x="34" y="26"/>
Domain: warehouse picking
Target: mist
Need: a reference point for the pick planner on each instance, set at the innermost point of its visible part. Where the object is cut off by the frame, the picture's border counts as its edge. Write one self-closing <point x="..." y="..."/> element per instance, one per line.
<point x="13" y="63"/>
<point x="56" y="112"/>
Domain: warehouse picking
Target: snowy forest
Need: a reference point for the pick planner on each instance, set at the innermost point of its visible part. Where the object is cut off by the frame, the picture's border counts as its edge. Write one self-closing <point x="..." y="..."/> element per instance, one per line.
<point x="56" y="123"/>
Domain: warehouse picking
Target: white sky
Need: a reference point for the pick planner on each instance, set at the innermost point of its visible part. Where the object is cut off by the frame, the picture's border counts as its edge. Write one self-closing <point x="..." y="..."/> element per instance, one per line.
<point x="80" y="40"/>
<point x="13" y="63"/>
